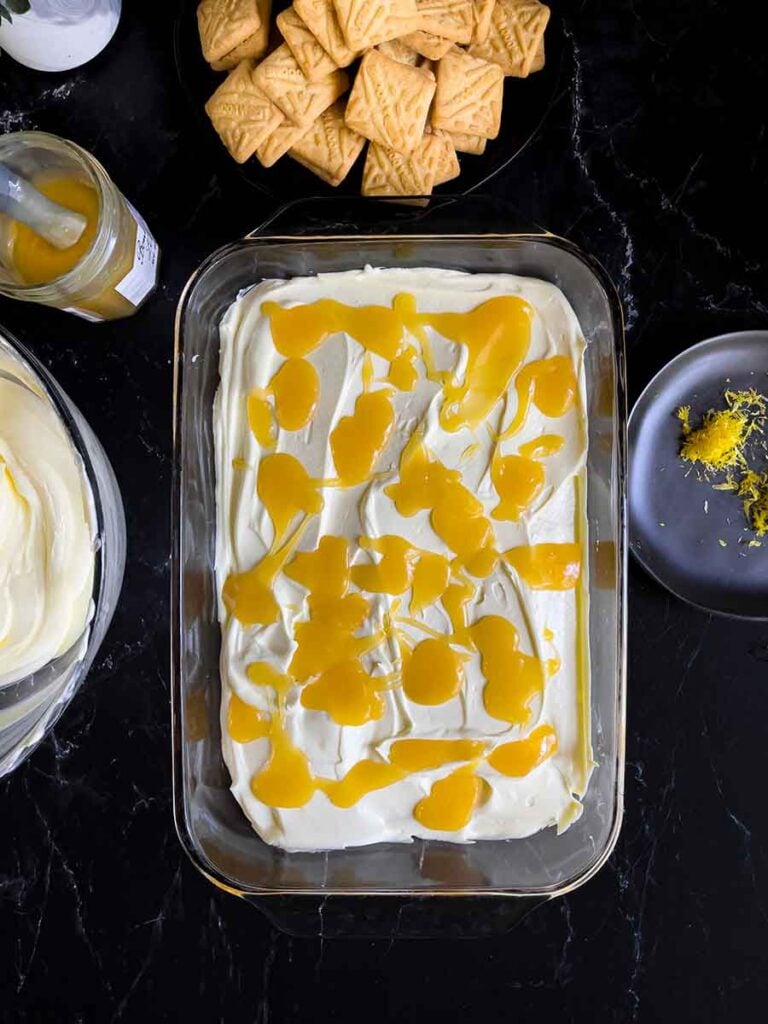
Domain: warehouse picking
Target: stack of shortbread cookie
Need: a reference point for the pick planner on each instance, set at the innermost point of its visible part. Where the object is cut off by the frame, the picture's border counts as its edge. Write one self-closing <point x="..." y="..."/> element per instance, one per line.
<point x="424" y="80"/>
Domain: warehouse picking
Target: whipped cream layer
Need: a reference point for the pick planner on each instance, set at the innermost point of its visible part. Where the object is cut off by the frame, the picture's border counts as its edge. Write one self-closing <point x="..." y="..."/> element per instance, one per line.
<point x="551" y="623"/>
<point x="46" y="531"/>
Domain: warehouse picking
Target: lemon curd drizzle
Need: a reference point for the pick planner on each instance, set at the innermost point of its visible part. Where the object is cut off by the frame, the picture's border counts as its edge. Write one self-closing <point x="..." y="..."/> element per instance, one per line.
<point x="295" y="389"/>
<point x="328" y="667"/>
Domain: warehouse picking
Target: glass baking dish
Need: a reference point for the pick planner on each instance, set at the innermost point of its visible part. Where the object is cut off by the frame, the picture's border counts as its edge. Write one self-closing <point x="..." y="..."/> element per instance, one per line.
<point x="211" y="826"/>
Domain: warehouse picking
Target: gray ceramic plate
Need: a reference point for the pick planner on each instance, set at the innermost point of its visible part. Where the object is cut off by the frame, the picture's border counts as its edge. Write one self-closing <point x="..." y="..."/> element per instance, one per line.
<point x="676" y="521"/>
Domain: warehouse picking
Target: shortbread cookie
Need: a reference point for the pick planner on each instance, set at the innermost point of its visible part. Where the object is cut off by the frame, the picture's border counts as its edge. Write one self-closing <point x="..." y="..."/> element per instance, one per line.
<point x="398" y="49"/>
<point x="388" y="173"/>
<point x="329" y="148"/>
<point x="241" y="113"/>
<point x="310" y="56"/>
<point x="539" y="58"/>
<point x="448" y="19"/>
<point x="463" y="143"/>
<point x="389" y="102"/>
<point x="255" y="46"/>
<point x="427" y="44"/>
<point x="225" y="24"/>
<point x="366" y="23"/>
<point x="517" y="27"/>
<point x="469" y="95"/>
<point x="301" y="101"/>
<point x="278" y="143"/>
<point x="320" y="18"/>
<point x="482" y="12"/>
<point x="252" y="48"/>
<point x="441" y="150"/>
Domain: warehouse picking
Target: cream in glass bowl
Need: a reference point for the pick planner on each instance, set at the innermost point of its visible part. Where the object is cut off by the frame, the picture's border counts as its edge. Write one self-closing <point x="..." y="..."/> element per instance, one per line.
<point x="62" y="551"/>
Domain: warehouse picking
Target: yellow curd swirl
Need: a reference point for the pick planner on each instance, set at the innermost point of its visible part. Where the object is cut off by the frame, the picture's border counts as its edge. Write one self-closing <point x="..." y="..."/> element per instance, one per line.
<point x="400" y="538"/>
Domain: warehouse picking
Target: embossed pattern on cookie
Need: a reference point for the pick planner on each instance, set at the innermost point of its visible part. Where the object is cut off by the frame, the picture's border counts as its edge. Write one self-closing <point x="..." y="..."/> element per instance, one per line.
<point x="465" y="143"/>
<point x="224" y="24"/>
<point x="389" y="102"/>
<point x="241" y="113"/>
<point x="539" y="58"/>
<point x="366" y="23"/>
<point x="517" y="28"/>
<point x="284" y="82"/>
<point x="253" y="47"/>
<point x="320" y="18"/>
<point x="449" y="19"/>
<point x="440" y="150"/>
<point x="482" y="13"/>
<point x="279" y="141"/>
<point x="469" y="95"/>
<point x="310" y="56"/>
<point x="399" y="50"/>
<point x="388" y="173"/>
<point x="330" y="147"/>
<point x="428" y="45"/>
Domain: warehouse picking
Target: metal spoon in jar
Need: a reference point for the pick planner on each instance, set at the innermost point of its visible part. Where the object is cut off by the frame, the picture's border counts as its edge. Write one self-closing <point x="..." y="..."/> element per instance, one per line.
<point x="23" y="202"/>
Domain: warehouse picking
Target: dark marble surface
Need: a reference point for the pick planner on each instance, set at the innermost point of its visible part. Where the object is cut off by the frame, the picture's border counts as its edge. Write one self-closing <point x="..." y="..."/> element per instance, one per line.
<point x="654" y="160"/>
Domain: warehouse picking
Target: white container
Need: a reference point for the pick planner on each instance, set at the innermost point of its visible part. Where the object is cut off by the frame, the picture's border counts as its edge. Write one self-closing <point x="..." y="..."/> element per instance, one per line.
<point x="58" y="35"/>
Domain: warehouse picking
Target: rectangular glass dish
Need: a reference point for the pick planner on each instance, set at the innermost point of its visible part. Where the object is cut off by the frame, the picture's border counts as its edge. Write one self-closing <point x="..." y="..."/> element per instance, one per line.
<point x="211" y="826"/>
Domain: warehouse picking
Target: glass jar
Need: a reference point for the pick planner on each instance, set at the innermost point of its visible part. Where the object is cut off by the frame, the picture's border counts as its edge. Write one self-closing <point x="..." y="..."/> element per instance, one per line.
<point x="118" y="269"/>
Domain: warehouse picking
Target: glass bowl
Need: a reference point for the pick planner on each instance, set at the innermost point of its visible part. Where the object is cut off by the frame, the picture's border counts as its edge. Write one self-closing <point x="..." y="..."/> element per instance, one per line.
<point x="30" y="706"/>
<point x="211" y="826"/>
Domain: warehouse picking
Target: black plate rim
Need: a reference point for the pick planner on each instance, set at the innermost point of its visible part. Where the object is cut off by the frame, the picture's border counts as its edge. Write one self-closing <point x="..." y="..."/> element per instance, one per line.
<point x="693" y="350"/>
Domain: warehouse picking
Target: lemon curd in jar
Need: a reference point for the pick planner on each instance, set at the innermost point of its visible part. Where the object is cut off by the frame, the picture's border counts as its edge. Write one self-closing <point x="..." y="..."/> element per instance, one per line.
<point x="110" y="270"/>
<point x="36" y="260"/>
<point x="401" y="557"/>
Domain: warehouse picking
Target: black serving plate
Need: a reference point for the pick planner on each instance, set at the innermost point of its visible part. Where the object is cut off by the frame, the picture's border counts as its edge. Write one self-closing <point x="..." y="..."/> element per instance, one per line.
<point x="676" y="520"/>
<point x="526" y="104"/>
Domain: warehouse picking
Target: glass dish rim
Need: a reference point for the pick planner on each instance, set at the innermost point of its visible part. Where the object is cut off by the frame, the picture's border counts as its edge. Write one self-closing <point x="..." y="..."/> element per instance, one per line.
<point x="61" y="404"/>
<point x="257" y="238"/>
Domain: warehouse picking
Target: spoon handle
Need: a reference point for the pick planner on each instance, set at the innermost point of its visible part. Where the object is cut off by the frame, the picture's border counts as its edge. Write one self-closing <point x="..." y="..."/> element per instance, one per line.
<point x="23" y="202"/>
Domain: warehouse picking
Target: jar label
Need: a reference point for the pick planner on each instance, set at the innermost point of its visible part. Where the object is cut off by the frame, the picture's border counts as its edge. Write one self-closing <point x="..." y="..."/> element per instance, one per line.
<point x="141" y="279"/>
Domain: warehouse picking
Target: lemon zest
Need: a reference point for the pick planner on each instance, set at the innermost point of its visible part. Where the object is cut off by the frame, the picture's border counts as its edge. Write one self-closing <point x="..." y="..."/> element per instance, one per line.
<point x="753" y="488"/>
<point x="718" y="443"/>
